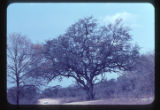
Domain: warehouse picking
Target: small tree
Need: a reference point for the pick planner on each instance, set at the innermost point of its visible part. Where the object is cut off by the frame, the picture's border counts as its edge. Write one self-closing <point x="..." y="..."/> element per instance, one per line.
<point x="87" y="50"/>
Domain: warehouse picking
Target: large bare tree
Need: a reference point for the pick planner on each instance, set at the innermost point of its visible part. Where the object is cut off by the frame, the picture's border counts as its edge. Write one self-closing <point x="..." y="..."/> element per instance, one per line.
<point x="20" y="56"/>
<point x="88" y="50"/>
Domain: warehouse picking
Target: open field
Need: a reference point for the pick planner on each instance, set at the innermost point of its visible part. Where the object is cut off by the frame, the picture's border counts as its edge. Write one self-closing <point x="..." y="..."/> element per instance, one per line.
<point x="115" y="101"/>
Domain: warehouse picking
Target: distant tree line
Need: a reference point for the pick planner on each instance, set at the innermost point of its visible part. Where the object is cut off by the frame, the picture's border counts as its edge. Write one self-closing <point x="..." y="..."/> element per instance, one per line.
<point x="84" y="52"/>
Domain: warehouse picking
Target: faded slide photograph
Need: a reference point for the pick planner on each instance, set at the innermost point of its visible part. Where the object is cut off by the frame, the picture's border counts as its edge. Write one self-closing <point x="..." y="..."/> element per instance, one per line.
<point x="80" y="53"/>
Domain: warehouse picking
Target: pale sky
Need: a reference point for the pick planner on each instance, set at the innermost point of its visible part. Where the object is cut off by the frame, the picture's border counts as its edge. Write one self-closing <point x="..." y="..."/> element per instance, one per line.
<point x="44" y="21"/>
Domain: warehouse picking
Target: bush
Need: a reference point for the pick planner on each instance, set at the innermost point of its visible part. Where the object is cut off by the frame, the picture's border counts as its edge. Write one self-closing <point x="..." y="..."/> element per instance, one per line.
<point x="28" y="95"/>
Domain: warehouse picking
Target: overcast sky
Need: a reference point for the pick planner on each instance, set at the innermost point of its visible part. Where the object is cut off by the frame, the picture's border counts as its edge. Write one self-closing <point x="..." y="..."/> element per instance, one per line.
<point x="44" y="21"/>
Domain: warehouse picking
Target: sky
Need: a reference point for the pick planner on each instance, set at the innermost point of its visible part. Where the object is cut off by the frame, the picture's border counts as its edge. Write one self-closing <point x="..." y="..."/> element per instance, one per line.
<point x="44" y="21"/>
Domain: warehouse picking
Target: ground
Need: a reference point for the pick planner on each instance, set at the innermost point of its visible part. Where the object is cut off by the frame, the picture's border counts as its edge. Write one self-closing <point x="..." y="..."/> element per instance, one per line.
<point x="115" y="101"/>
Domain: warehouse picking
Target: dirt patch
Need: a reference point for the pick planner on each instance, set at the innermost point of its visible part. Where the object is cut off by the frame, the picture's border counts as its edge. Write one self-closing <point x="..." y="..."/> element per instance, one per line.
<point x="49" y="101"/>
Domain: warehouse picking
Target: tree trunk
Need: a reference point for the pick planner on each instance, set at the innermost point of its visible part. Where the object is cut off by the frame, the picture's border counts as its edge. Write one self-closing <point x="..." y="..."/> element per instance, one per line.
<point x="17" y="97"/>
<point x="18" y="92"/>
<point x="90" y="92"/>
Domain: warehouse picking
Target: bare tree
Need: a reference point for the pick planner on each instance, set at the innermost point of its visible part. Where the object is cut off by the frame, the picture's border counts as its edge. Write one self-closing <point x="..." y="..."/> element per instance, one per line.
<point x="86" y="51"/>
<point x="19" y="54"/>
